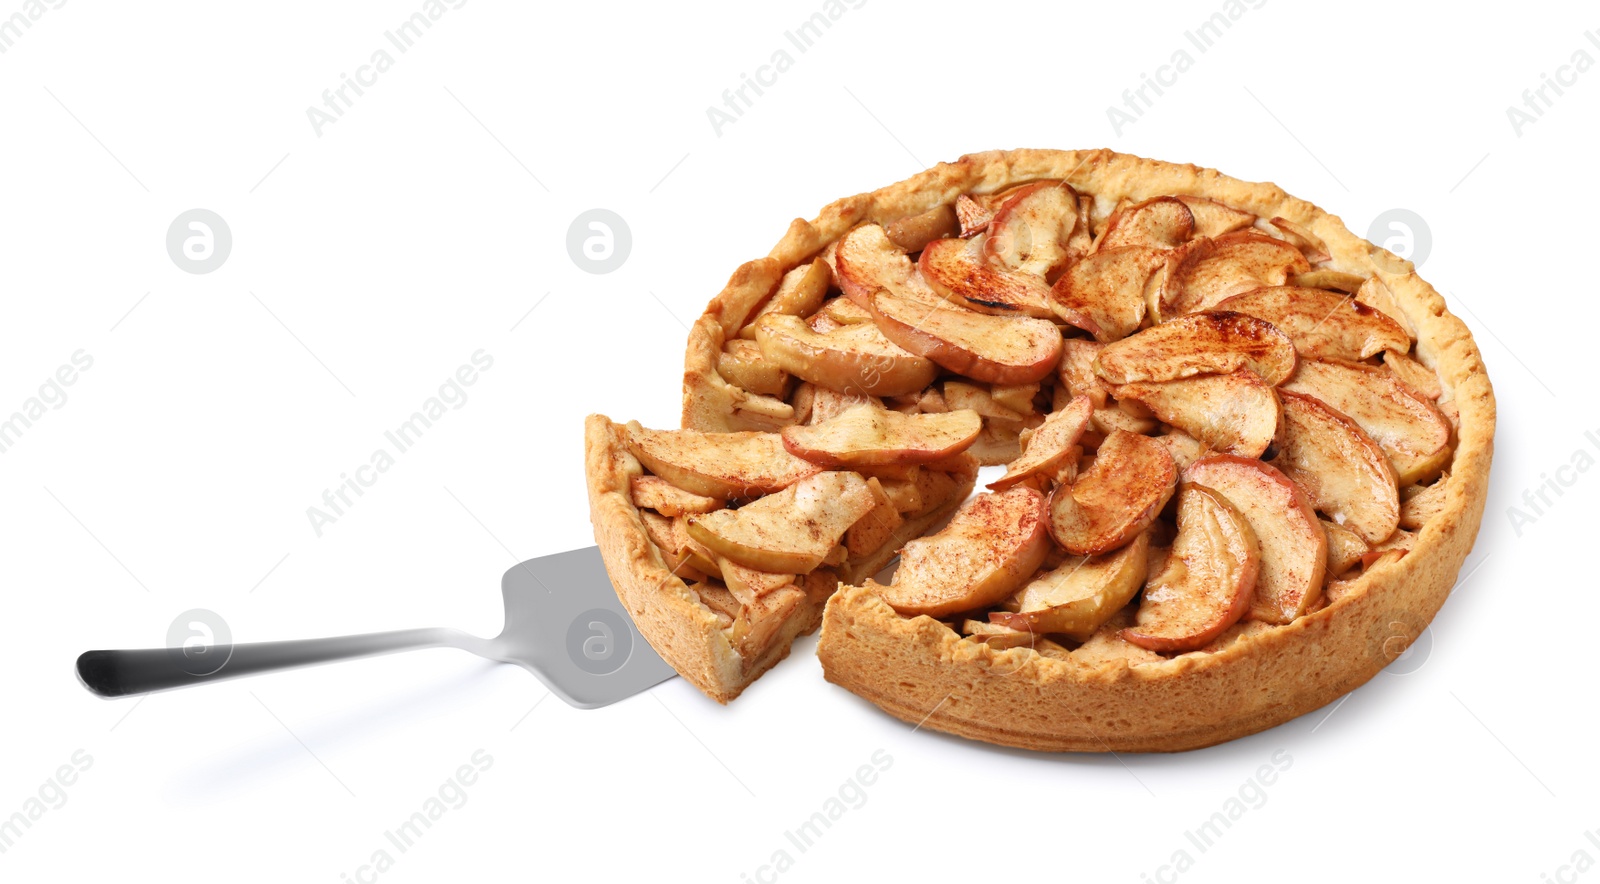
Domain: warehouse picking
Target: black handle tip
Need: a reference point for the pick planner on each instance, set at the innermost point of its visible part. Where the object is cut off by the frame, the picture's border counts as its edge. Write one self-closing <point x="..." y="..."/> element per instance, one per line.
<point x="100" y="674"/>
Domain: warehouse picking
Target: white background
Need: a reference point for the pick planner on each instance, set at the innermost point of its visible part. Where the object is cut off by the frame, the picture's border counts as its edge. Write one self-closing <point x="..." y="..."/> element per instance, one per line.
<point x="372" y="260"/>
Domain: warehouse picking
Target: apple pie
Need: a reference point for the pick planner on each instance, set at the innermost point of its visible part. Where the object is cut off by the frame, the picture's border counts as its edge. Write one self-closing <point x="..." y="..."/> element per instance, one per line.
<point x="1238" y="453"/>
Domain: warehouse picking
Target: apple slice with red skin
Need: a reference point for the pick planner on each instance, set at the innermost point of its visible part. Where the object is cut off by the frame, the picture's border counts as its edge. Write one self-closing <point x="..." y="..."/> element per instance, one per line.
<point x="992" y="544"/>
<point x="1294" y="549"/>
<point x="721" y="465"/>
<point x="956" y="269"/>
<point x="867" y="435"/>
<point x="867" y="259"/>
<point x="1205" y="271"/>
<point x="1344" y="473"/>
<point x="1200" y="343"/>
<point x="993" y="349"/>
<point x="1080" y="594"/>
<point x="1208" y="581"/>
<point x="1235" y="413"/>
<point x="1050" y="445"/>
<point x="1161" y="223"/>
<point x="855" y="358"/>
<point x="1412" y="431"/>
<point x="1108" y="288"/>
<point x="1030" y="232"/>
<point x="792" y="531"/>
<point x="1121" y="493"/>
<point x="1322" y="324"/>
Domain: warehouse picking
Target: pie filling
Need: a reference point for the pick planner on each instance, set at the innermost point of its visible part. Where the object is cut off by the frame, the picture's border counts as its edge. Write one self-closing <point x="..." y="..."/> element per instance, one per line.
<point x="1208" y="429"/>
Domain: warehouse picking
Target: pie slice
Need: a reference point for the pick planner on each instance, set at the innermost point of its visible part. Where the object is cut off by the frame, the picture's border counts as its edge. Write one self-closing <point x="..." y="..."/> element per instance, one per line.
<point x="1115" y="332"/>
<point x="721" y="621"/>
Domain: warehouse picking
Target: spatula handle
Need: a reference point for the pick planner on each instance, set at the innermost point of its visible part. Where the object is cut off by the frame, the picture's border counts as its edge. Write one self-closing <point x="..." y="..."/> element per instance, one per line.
<point x="119" y="673"/>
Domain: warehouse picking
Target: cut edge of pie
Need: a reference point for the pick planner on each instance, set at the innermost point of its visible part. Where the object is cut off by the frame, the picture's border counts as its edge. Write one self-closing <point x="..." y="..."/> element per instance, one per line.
<point x="667" y="609"/>
<point x="922" y="671"/>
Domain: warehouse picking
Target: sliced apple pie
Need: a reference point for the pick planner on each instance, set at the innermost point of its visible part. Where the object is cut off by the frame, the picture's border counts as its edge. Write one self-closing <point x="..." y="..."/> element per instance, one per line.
<point x="1245" y="453"/>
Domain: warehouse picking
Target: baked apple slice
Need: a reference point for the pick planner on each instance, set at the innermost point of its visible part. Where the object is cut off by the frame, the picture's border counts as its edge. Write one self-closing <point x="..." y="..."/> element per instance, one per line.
<point x="867" y="260"/>
<point x="1309" y="244"/>
<point x="721" y="465"/>
<point x="1200" y="343"/>
<point x="1081" y="594"/>
<point x="956" y="269"/>
<point x="800" y="292"/>
<point x="1344" y="473"/>
<point x="792" y="531"/>
<point x="911" y="234"/>
<point x="993" y="543"/>
<point x="1213" y="219"/>
<point x="1322" y="324"/>
<point x="866" y="435"/>
<point x="1414" y="374"/>
<point x="742" y="364"/>
<point x="973" y="213"/>
<point x="1121" y="493"/>
<point x="1412" y="431"/>
<point x="1345" y="548"/>
<point x="1161" y="223"/>
<point x="854" y="358"/>
<point x="1205" y="271"/>
<point x="1209" y="578"/>
<point x="1050" y="445"/>
<point x="1235" y="413"/>
<point x="1294" y="549"/>
<point x="1323" y="278"/>
<point x="1076" y="374"/>
<point x="1030" y="232"/>
<point x="993" y="349"/>
<point x="1108" y="288"/>
<point x="656" y="493"/>
<point x="1184" y="448"/>
<point x="1377" y="295"/>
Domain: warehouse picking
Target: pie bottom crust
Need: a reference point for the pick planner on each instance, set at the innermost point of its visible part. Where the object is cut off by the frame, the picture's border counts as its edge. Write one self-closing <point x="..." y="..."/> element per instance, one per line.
<point x="667" y="611"/>
<point x="920" y="671"/>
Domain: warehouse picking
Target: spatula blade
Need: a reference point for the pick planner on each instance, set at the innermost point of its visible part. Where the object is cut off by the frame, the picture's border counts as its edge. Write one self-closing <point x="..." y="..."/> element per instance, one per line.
<point x="565" y="623"/>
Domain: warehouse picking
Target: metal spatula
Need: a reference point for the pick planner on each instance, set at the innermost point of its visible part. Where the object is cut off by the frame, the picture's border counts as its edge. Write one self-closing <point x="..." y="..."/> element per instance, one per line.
<point x="564" y="624"/>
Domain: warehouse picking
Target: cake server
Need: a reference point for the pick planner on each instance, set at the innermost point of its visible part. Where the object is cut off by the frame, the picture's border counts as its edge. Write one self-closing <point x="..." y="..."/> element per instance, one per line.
<point x="563" y="622"/>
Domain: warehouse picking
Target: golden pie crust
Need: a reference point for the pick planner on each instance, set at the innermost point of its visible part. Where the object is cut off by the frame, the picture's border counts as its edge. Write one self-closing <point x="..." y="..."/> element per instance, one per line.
<point x="1101" y="696"/>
